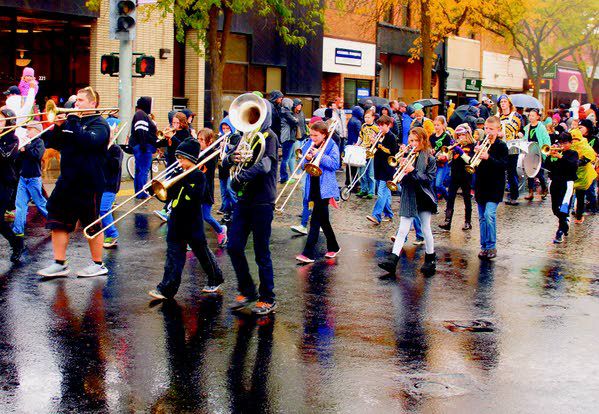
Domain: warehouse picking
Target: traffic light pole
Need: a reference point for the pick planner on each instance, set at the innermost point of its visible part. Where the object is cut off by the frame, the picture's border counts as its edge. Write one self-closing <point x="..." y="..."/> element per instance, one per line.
<point x="125" y="83"/>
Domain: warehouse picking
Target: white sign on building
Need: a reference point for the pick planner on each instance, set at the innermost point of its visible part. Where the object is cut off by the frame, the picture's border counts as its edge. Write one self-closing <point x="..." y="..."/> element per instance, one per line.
<point x="348" y="57"/>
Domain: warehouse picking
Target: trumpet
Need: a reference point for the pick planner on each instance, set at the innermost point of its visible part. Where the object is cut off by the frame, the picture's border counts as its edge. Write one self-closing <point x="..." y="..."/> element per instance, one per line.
<point x="313" y="168"/>
<point x="299" y="180"/>
<point x="166" y="132"/>
<point x="373" y="147"/>
<point x="475" y="160"/>
<point x="400" y="173"/>
<point x="548" y="149"/>
<point x="445" y="150"/>
<point x="393" y="160"/>
<point x="160" y="187"/>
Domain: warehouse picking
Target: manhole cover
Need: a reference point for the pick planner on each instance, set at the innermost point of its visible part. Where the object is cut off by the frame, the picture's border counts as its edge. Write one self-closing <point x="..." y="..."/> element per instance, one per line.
<point x="477" y="325"/>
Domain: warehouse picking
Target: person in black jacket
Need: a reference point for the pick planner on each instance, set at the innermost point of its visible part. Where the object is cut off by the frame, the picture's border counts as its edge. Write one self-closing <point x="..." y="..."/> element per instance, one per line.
<point x="9" y="144"/>
<point x="489" y="186"/>
<point x="383" y="172"/>
<point x="256" y="189"/>
<point x="82" y="140"/>
<point x="143" y="142"/>
<point x="186" y="227"/>
<point x="30" y="180"/>
<point x="112" y="172"/>
<point x="227" y="195"/>
<point x="562" y="164"/>
<point x="276" y="99"/>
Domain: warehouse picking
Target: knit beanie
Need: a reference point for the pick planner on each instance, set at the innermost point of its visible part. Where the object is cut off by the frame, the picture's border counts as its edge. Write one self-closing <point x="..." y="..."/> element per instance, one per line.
<point x="190" y="149"/>
<point x="588" y="124"/>
<point x="463" y="129"/>
<point x="28" y="72"/>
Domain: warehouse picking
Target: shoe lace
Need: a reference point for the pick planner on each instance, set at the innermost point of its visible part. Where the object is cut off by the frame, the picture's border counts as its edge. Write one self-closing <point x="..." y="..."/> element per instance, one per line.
<point x="263" y="305"/>
<point x="240" y="298"/>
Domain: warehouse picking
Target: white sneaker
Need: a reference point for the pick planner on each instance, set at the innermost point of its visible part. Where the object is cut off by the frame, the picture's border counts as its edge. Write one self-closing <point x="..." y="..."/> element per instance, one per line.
<point x="299" y="229"/>
<point x="93" y="270"/>
<point x="54" y="270"/>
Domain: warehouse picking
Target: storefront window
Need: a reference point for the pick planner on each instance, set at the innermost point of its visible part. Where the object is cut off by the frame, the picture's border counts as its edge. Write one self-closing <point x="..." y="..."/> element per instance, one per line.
<point x="354" y="90"/>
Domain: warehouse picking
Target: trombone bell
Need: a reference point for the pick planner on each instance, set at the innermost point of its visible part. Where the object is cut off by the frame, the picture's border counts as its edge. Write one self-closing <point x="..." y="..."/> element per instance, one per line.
<point x="313" y="170"/>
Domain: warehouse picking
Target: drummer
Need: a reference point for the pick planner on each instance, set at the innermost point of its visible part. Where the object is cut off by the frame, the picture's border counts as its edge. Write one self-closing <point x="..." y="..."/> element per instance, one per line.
<point x="535" y="131"/>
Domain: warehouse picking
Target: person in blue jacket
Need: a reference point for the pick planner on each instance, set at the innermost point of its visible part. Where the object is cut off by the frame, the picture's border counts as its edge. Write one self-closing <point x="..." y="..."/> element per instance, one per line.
<point x="353" y="135"/>
<point x="320" y="190"/>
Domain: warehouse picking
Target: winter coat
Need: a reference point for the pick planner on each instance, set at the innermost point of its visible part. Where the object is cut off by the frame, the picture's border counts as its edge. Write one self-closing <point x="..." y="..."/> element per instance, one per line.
<point x="9" y="144"/>
<point x="419" y="185"/>
<point x="112" y="169"/>
<point x="186" y="221"/>
<point x="406" y="123"/>
<point x="354" y="125"/>
<point x="540" y="135"/>
<point x="31" y="159"/>
<point x="143" y="131"/>
<point x="329" y="164"/>
<point x="395" y="126"/>
<point x="275" y="112"/>
<point x="289" y="121"/>
<point x="586" y="172"/>
<point x="489" y="183"/>
<point x="299" y="132"/>
<point x="382" y="170"/>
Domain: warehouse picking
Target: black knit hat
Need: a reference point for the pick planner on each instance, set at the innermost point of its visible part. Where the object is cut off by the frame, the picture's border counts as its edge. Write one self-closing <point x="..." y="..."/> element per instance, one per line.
<point x="8" y="113"/>
<point x="588" y="124"/>
<point x="190" y="149"/>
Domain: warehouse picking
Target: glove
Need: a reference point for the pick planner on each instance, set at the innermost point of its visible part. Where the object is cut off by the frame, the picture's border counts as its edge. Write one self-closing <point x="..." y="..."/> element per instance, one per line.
<point x="458" y="150"/>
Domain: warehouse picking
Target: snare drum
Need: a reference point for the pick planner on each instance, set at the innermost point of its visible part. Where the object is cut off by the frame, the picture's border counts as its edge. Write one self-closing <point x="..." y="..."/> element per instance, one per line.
<point x="355" y="156"/>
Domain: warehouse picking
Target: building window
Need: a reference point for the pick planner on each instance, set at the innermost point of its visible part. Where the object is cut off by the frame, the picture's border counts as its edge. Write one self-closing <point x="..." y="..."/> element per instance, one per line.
<point x="274" y="79"/>
<point x="354" y="90"/>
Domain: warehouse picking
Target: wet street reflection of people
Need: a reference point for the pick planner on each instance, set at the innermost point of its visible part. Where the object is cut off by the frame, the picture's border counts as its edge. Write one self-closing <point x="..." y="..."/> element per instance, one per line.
<point x="9" y="374"/>
<point x="187" y="334"/>
<point x="253" y="397"/>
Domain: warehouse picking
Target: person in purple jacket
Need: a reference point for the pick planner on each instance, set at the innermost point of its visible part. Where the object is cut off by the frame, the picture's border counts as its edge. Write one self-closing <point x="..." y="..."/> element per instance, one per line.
<point x="319" y="191"/>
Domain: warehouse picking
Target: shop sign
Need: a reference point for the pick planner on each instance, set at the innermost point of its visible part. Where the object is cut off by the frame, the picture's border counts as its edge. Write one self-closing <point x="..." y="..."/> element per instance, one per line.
<point x="362" y="92"/>
<point x="573" y="83"/>
<point x="473" y="85"/>
<point x="348" y="57"/>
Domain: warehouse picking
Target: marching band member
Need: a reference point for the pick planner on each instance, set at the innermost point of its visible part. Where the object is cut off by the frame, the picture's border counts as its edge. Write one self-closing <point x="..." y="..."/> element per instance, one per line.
<point x="82" y="141"/>
<point x="417" y="199"/>
<point x="320" y="190"/>
<point x="256" y="189"/>
<point x="227" y="195"/>
<point x="367" y="134"/>
<point x="489" y="186"/>
<point x="383" y="172"/>
<point x="186" y="227"/>
<point x="586" y="172"/>
<point x="439" y="138"/>
<point x="9" y="144"/>
<point x="511" y="124"/>
<point x="143" y="142"/>
<point x="562" y="164"/>
<point x="460" y="179"/>
<point x="535" y="131"/>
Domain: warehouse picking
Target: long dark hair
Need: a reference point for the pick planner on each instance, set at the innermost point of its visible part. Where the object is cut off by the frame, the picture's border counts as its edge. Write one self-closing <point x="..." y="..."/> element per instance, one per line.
<point x="422" y="137"/>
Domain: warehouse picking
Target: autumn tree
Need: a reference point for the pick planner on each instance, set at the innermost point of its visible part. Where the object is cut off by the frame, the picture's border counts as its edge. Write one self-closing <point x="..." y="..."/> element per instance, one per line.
<point x="295" y="22"/>
<point x="587" y="61"/>
<point x="543" y="32"/>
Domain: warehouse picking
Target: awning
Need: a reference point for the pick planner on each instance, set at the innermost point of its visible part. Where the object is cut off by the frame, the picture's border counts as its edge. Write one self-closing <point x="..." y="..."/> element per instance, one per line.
<point x="569" y="81"/>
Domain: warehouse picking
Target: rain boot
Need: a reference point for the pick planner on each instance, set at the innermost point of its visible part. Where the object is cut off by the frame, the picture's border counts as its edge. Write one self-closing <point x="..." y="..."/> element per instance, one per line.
<point x="430" y="264"/>
<point x="447" y="224"/>
<point x="530" y="196"/>
<point x="390" y="263"/>
<point x="18" y="245"/>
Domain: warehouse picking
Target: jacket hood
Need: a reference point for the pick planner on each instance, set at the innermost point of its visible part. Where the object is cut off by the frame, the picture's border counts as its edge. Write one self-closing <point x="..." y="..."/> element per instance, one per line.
<point x="145" y="104"/>
<point x="297" y="102"/>
<point x="274" y="95"/>
<point x="287" y="103"/>
<point x="228" y="122"/>
<point x="357" y="112"/>
<point x="268" y="120"/>
<point x="388" y="108"/>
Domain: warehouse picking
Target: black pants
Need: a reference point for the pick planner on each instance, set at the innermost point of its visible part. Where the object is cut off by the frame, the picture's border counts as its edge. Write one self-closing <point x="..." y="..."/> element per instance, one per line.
<point x="320" y="218"/>
<point x="580" y="196"/>
<point x="541" y="177"/>
<point x="176" y="253"/>
<point x="512" y="175"/>
<point x="6" y="195"/>
<point x="465" y="183"/>
<point x="558" y="190"/>
<point x="255" y="219"/>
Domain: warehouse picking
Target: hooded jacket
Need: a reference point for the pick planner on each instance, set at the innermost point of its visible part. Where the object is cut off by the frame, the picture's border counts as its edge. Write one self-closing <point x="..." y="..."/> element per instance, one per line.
<point x="586" y="155"/>
<point x="540" y="134"/>
<point x="354" y="125"/>
<point x="143" y="129"/>
<point x="300" y="129"/>
<point x="223" y="173"/>
<point x="275" y="112"/>
<point x="395" y="126"/>
<point x="289" y="121"/>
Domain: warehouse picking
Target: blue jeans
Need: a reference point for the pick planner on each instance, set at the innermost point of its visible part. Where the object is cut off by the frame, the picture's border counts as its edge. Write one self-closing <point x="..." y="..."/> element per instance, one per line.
<point x="591" y="196"/>
<point x="28" y="189"/>
<point x="418" y="227"/>
<point x="206" y="212"/>
<point x="487" y="218"/>
<point x="105" y="206"/>
<point x="442" y="174"/>
<point x="306" y="212"/>
<point x="227" y="195"/>
<point x="287" y="153"/>
<point x="367" y="180"/>
<point x="383" y="202"/>
<point x="143" y="163"/>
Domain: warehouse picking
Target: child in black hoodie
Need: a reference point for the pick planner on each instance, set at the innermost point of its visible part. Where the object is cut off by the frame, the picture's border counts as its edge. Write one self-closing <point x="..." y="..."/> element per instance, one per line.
<point x="186" y="226"/>
<point x="112" y="172"/>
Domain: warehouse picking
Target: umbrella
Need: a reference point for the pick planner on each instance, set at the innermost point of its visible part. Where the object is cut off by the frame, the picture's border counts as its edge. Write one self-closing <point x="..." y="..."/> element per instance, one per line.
<point x="427" y="102"/>
<point x="319" y="112"/>
<point x="376" y="101"/>
<point x="463" y="113"/>
<point x="522" y="100"/>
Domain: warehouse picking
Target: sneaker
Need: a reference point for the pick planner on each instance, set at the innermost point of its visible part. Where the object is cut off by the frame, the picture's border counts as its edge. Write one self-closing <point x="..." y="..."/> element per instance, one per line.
<point x="529" y="197"/>
<point x="239" y="302"/>
<point x="303" y="259"/>
<point x="264" y="308"/>
<point x="155" y="293"/>
<point x="299" y="229"/>
<point x="511" y="202"/>
<point x="332" y="255"/>
<point x="418" y="241"/>
<point x="9" y="215"/>
<point x="163" y="214"/>
<point x="559" y="237"/>
<point x="92" y="270"/>
<point x="491" y="253"/>
<point x="222" y="237"/>
<point x="579" y="221"/>
<point x="446" y="225"/>
<point x="373" y="219"/>
<point x="211" y="288"/>
<point x="483" y="254"/>
<point x="544" y="194"/>
<point x="110" y="242"/>
<point x="291" y="181"/>
<point x="369" y="196"/>
<point x="361" y="194"/>
<point x="54" y="270"/>
<point x="467" y="226"/>
<point x="387" y="219"/>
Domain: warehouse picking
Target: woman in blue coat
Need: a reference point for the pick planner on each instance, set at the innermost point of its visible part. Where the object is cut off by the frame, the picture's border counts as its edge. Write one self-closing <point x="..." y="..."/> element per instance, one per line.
<point x="319" y="191"/>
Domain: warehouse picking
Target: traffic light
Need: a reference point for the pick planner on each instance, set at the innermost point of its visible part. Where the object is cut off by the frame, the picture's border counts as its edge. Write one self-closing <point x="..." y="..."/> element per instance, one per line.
<point x="145" y="65"/>
<point x="122" y="19"/>
<point x="109" y="65"/>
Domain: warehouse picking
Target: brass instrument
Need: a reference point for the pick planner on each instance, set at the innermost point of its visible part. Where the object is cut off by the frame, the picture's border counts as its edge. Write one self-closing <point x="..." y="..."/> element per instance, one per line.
<point x="166" y="132"/>
<point x="548" y="149"/>
<point x="400" y="173"/>
<point x="299" y="180"/>
<point x="160" y="187"/>
<point x="445" y="150"/>
<point x="373" y="147"/>
<point x="224" y="146"/>
<point x="393" y="160"/>
<point x="475" y="159"/>
<point x="313" y="168"/>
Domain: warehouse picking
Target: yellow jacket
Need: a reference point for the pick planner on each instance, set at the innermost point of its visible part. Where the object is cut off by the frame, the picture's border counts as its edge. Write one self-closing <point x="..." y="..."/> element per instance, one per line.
<point x="586" y="173"/>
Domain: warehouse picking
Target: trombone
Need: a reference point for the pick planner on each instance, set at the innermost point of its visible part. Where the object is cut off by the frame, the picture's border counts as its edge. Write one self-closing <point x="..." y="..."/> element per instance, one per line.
<point x="313" y="168"/>
<point x="159" y="186"/>
<point x="401" y="171"/>
<point x="475" y="160"/>
<point x="373" y="147"/>
<point x="299" y="180"/>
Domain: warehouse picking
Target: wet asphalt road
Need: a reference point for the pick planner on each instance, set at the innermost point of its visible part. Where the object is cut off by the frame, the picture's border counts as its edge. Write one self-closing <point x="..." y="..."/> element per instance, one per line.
<point x="518" y="335"/>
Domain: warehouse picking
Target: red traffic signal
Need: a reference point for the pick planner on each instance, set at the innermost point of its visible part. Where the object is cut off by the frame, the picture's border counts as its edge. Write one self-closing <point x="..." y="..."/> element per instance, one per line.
<point x="109" y="64"/>
<point x="145" y="65"/>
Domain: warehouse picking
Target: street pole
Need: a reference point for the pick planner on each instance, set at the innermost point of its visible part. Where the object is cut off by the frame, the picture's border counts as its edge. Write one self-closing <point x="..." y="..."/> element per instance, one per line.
<point x="125" y="83"/>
